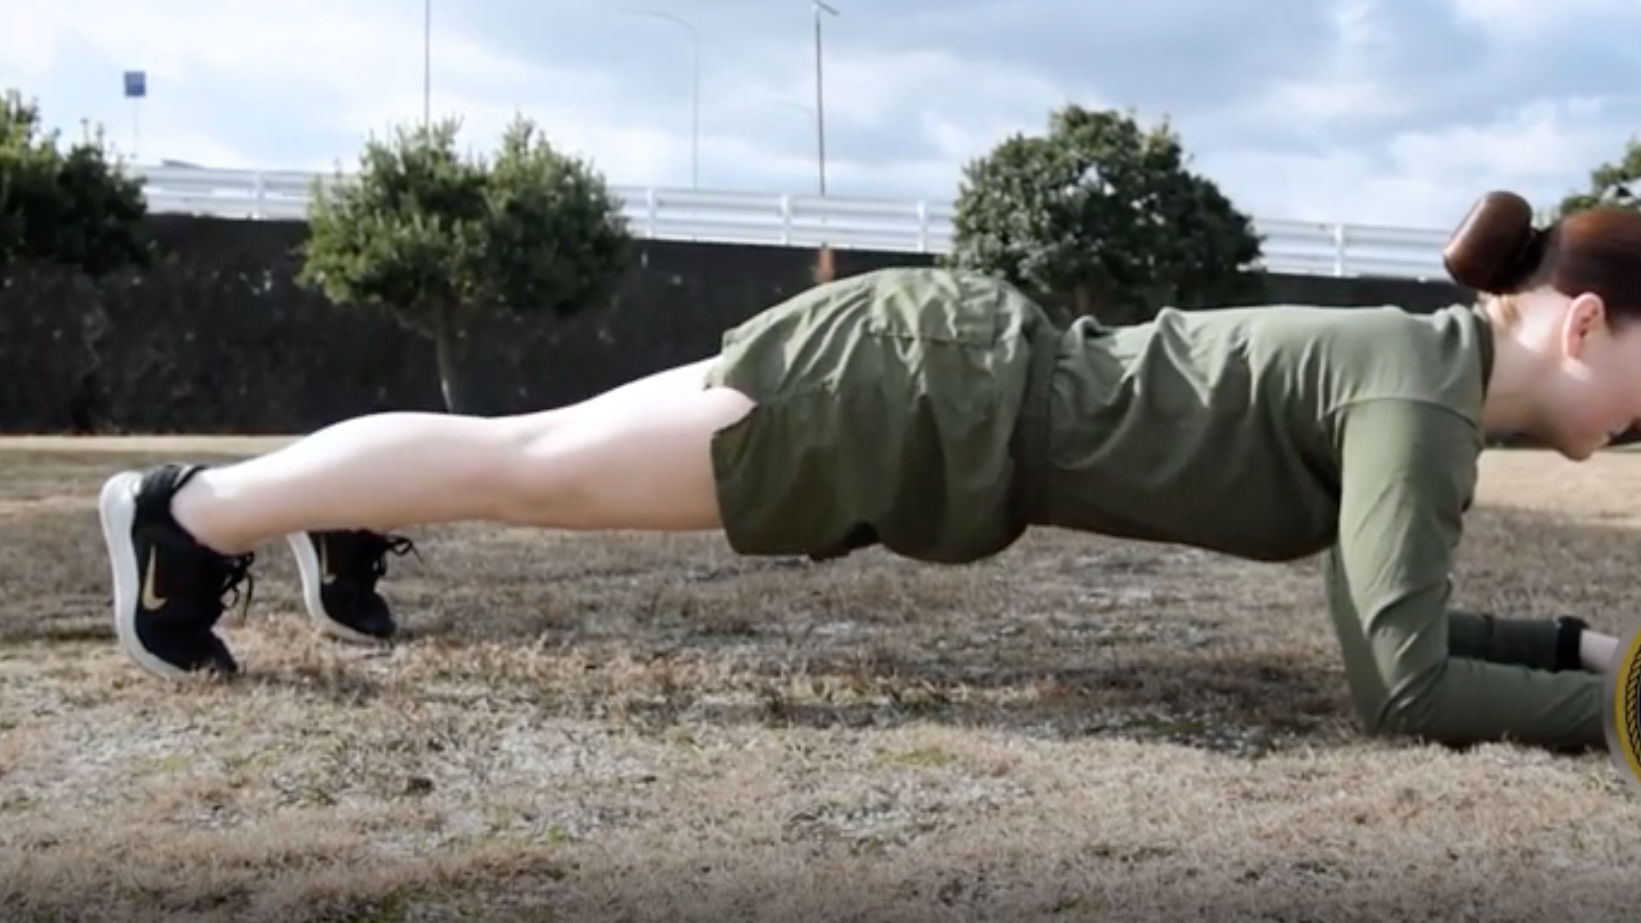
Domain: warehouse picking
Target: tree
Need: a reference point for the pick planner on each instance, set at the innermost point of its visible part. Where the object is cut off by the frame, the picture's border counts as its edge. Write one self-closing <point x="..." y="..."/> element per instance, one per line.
<point x="70" y="208"/>
<point x="1610" y="184"/>
<point x="1106" y="214"/>
<point x="440" y="240"/>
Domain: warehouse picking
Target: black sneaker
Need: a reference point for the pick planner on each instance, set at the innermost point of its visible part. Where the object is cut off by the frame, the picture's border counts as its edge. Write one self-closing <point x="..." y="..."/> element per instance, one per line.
<point x="169" y="589"/>
<point x="339" y="573"/>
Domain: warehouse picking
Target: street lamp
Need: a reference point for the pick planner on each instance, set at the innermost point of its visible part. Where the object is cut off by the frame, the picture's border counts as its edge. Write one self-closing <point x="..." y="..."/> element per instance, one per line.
<point x="427" y="63"/>
<point x="695" y="91"/>
<point x="820" y="105"/>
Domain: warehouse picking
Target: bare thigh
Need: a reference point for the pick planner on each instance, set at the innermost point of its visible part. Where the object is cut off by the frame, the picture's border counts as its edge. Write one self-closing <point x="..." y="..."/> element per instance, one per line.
<point x="636" y="457"/>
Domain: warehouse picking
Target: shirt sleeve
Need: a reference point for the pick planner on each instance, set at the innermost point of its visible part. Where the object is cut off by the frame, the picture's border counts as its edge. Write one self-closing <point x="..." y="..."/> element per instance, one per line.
<point x="1408" y="471"/>
<point x="1530" y="642"/>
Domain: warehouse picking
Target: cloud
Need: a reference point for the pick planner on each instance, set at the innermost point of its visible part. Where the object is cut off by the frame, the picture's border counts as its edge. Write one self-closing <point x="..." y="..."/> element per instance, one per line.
<point x="31" y="41"/>
<point x="1529" y="20"/>
<point x="1541" y="142"/>
<point x="1398" y="111"/>
<point x="1430" y="177"/>
<point x="1342" y="87"/>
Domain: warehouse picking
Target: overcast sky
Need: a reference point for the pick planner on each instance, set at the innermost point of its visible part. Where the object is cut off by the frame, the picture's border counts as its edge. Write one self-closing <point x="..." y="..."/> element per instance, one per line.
<point x="1388" y="111"/>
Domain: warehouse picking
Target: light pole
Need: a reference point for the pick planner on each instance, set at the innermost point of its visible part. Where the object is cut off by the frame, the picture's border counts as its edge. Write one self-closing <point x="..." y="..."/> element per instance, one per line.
<point x="820" y="104"/>
<point x="695" y="90"/>
<point x="427" y="63"/>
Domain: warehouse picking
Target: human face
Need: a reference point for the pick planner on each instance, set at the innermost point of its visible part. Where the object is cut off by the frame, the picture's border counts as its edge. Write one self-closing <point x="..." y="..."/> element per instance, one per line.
<point x="1598" y="393"/>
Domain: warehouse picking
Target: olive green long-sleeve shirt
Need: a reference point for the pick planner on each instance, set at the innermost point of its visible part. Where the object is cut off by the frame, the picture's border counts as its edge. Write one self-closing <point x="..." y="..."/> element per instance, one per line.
<point x="1279" y="432"/>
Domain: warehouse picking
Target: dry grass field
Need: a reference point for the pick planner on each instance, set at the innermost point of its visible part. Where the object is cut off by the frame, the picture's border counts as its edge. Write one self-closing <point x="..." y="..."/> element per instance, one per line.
<point x="626" y="728"/>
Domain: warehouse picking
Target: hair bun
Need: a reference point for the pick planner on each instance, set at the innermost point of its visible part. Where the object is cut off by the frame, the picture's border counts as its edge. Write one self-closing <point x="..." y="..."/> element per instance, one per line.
<point x="1494" y="247"/>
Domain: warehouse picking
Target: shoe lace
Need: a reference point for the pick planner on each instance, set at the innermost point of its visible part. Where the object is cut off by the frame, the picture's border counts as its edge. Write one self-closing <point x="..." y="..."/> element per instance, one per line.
<point x="235" y="571"/>
<point x="223" y="575"/>
<point x="363" y="556"/>
<point x="382" y="545"/>
<point x="400" y="546"/>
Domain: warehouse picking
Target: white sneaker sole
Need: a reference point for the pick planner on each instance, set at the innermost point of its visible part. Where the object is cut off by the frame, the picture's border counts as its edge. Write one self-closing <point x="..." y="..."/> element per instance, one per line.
<point x="117" y="506"/>
<point x="307" y="563"/>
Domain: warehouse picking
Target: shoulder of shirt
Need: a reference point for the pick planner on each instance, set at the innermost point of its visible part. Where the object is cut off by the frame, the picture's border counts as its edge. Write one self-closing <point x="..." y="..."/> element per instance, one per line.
<point x="1396" y="353"/>
<point x="1419" y="347"/>
<point x="1383" y="352"/>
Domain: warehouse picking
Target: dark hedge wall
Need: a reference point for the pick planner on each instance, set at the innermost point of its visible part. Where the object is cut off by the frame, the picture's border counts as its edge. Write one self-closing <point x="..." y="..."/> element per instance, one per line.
<point x="218" y="338"/>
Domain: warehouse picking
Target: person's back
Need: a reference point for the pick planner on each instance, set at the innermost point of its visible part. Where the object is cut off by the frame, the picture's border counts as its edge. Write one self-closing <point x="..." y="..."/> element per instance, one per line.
<point x="1222" y="428"/>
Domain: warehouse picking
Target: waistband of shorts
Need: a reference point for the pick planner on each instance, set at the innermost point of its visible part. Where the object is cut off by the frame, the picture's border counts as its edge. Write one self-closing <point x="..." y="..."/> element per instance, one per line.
<point x="1030" y="443"/>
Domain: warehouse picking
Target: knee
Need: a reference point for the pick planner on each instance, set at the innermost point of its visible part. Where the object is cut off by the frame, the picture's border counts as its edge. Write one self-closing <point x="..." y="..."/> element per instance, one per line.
<point x="531" y="463"/>
<point x="1413" y="710"/>
<point x="568" y="468"/>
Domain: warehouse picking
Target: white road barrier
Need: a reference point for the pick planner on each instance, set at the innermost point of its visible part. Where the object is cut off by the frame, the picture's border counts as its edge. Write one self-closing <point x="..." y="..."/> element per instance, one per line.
<point x="895" y="225"/>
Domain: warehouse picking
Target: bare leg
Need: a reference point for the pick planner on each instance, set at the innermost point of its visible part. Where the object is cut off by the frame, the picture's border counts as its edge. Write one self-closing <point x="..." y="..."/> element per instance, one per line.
<point x="636" y="457"/>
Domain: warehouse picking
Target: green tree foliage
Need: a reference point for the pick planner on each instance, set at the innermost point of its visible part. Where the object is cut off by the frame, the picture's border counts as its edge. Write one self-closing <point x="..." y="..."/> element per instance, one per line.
<point x="70" y="208"/>
<point x="1104" y="213"/>
<point x="1610" y="184"/>
<point x="440" y="239"/>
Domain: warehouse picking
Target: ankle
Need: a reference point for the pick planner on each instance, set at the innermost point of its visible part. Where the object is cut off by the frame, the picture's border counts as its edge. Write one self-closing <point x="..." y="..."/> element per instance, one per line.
<point x="197" y="510"/>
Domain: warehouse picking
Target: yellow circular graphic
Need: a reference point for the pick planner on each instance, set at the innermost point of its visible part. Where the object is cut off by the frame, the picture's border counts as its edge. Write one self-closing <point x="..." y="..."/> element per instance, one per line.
<point x="1623" y="708"/>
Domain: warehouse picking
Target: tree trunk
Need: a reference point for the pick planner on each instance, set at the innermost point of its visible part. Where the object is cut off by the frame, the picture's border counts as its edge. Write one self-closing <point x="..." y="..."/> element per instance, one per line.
<point x="449" y="359"/>
<point x="1083" y="300"/>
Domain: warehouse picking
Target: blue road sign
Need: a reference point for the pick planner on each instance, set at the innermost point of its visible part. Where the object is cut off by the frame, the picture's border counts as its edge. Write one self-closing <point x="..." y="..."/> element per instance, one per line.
<point x="136" y="84"/>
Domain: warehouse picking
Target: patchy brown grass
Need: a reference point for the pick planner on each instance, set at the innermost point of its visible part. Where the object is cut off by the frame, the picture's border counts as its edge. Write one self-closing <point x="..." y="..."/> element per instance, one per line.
<point x="648" y="728"/>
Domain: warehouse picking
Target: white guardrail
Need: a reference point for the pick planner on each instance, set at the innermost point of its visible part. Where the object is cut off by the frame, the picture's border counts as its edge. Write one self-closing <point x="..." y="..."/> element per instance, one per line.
<point x="895" y="225"/>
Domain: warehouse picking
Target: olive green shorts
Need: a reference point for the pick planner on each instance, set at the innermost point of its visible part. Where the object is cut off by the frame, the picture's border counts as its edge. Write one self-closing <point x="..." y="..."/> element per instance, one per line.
<point x="889" y="411"/>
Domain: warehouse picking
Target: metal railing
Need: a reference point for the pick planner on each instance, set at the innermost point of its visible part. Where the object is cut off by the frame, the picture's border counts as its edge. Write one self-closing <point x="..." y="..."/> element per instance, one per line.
<point x="894" y="225"/>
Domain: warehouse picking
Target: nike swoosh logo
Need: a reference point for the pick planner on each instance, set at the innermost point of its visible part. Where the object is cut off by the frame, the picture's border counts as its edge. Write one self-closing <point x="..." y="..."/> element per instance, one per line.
<point x="150" y="596"/>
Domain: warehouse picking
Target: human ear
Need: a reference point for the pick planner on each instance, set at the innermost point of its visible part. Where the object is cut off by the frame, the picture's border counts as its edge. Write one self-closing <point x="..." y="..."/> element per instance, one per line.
<point x="1584" y="319"/>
